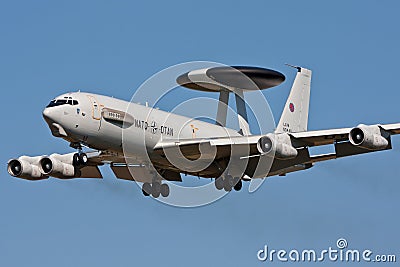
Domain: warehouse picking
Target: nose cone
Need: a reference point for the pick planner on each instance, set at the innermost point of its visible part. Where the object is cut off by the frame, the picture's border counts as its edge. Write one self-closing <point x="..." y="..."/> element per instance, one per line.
<point x="51" y="115"/>
<point x="48" y="116"/>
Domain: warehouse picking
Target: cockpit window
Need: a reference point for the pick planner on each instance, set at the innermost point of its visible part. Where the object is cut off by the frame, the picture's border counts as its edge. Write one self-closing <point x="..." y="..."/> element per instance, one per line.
<point x="59" y="102"/>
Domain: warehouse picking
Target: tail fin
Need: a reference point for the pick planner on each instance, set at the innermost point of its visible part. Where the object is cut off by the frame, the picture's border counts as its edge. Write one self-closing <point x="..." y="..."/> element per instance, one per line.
<point x="295" y="113"/>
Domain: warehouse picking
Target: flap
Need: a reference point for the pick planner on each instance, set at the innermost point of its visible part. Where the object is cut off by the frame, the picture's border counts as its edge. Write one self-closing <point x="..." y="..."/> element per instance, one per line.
<point x="90" y="172"/>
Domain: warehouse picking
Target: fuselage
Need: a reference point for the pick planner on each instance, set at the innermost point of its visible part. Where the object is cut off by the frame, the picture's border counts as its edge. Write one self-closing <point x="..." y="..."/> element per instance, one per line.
<point x="106" y="123"/>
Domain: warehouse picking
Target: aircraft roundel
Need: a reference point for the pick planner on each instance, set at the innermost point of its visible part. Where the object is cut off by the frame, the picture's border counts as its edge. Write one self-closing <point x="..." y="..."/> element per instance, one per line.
<point x="291" y="107"/>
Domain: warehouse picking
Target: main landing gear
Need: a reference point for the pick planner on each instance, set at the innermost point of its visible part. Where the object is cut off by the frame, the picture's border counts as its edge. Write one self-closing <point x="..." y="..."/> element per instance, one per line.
<point x="155" y="189"/>
<point x="228" y="182"/>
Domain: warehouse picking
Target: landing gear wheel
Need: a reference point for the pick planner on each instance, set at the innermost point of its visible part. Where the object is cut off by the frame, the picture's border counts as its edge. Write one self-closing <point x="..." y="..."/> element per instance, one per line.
<point x="164" y="190"/>
<point x="238" y="185"/>
<point x="219" y="183"/>
<point x="156" y="189"/>
<point x="76" y="160"/>
<point x="146" y="189"/>
<point x="83" y="159"/>
<point x="228" y="183"/>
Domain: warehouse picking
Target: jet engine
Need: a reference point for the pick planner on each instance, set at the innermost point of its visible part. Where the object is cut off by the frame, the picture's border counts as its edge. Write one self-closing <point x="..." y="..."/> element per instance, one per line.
<point x="369" y="137"/>
<point x="277" y="145"/>
<point x="62" y="166"/>
<point x="26" y="168"/>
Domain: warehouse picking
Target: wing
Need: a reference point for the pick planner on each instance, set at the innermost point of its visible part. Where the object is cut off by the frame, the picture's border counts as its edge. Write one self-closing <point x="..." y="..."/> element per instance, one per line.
<point x="74" y="165"/>
<point x="130" y="169"/>
<point x="340" y="139"/>
<point x="192" y="148"/>
<point x="319" y="138"/>
<point x="331" y="136"/>
<point x="221" y="148"/>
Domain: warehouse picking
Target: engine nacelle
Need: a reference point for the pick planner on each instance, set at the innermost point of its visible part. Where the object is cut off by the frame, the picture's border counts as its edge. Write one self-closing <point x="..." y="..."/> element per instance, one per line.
<point x="277" y="145"/>
<point x="60" y="166"/>
<point x="369" y="137"/>
<point x="26" y="168"/>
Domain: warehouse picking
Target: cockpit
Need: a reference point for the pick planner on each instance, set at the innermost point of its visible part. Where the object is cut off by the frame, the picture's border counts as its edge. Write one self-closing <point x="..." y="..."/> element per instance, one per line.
<point x="66" y="100"/>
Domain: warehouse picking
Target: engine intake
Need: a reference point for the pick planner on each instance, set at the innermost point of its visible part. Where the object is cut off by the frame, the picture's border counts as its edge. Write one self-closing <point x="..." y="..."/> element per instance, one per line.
<point x="265" y="145"/>
<point x="277" y="145"/>
<point x="15" y="167"/>
<point x="369" y="137"/>
<point x="26" y="168"/>
<point x="62" y="166"/>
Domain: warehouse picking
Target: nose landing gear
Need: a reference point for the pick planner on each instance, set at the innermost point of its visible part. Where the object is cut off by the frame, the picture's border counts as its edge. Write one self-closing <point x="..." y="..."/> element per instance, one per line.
<point x="80" y="158"/>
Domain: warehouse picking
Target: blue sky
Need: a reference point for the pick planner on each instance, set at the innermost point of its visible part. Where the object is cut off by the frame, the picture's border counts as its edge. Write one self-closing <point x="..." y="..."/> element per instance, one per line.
<point x="111" y="47"/>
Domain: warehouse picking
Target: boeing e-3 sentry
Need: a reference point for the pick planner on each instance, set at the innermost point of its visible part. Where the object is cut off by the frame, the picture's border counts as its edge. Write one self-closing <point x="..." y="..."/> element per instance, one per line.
<point x="152" y="146"/>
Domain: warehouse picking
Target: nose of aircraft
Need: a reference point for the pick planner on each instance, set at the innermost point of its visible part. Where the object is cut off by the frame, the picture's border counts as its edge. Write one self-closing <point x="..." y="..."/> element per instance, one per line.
<point x="50" y="115"/>
<point x="52" y="118"/>
<point x="47" y="114"/>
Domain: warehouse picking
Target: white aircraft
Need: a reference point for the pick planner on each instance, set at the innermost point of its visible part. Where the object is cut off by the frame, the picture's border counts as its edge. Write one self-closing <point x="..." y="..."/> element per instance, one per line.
<point x="149" y="145"/>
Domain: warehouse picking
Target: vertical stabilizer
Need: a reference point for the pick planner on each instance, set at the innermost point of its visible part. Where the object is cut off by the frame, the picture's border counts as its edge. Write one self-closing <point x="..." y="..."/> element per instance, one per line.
<point x="295" y="113"/>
